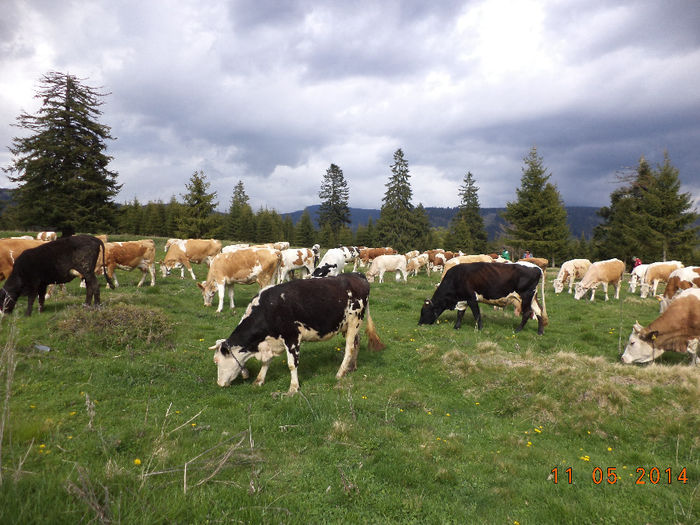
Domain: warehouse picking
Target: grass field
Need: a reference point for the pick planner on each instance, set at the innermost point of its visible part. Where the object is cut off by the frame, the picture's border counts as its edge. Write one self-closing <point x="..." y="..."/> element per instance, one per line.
<point x="122" y="421"/>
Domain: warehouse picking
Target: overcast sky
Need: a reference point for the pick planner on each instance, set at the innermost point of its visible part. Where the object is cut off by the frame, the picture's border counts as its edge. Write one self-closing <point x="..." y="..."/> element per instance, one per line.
<point x="273" y="92"/>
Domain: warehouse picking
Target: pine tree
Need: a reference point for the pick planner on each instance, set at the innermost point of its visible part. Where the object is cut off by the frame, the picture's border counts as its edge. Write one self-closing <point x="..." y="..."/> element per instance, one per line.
<point x="305" y="234"/>
<point x="334" y="195"/>
<point x="398" y="225"/>
<point x="196" y="219"/>
<point x="467" y="230"/>
<point x="237" y="213"/>
<point x="61" y="167"/>
<point x="537" y="219"/>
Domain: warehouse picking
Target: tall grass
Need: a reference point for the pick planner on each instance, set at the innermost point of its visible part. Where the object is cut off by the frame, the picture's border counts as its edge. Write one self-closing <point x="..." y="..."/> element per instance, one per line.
<point x="122" y="421"/>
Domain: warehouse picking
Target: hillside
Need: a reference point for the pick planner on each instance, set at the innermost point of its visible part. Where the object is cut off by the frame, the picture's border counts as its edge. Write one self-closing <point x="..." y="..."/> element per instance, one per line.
<point x="581" y="219"/>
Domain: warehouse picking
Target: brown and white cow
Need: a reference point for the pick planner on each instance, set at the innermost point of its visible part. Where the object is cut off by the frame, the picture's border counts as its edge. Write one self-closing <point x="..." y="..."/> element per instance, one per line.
<point x="10" y="249"/>
<point x="677" y="330"/>
<point x="183" y="252"/>
<point x="657" y="272"/>
<point x="365" y="256"/>
<point x="245" y="266"/>
<point x="569" y="271"/>
<point x="604" y="273"/>
<point x="129" y="255"/>
<point x="387" y="263"/>
<point x="296" y="259"/>
<point x="679" y="280"/>
<point x="416" y="263"/>
<point x="637" y="275"/>
<point x="464" y="259"/>
<point x="46" y="236"/>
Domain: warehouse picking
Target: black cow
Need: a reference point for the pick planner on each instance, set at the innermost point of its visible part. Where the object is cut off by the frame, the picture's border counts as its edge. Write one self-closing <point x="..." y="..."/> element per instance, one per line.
<point x="472" y="282"/>
<point x="55" y="262"/>
<point x="280" y="317"/>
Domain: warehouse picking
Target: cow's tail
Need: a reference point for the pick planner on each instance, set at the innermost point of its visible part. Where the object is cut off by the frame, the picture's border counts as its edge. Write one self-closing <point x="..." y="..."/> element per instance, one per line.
<point x="374" y="343"/>
<point x="543" y="306"/>
<point x="104" y="265"/>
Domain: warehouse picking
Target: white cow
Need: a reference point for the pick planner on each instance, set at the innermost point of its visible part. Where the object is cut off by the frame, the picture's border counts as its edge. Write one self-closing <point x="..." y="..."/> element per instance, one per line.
<point x="569" y="271"/>
<point x="387" y="263"/>
<point x="637" y="275"/>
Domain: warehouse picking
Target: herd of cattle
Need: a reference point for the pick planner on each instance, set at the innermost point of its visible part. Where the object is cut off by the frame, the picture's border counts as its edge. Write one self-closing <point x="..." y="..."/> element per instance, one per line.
<point x="331" y="301"/>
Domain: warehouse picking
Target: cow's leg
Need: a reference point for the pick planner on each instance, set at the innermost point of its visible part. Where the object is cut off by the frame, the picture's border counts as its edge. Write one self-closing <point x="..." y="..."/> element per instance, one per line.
<point x="571" y="283"/>
<point x="618" y="284"/>
<point x="461" y="308"/>
<point x="381" y="276"/>
<point x="404" y="273"/>
<point x="593" y="289"/>
<point x="351" y="344"/>
<point x="474" y="306"/>
<point x="30" y="301"/>
<point x="526" y="310"/>
<point x="93" y="289"/>
<point x="42" y="296"/>
<point x="113" y="276"/>
<point x="266" y="355"/>
<point x="605" y="290"/>
<point x="230" y="295"/>
<point x="656" y="285"/>
<point x="293" y="363"/>
<point x="189" y="267"/>
<point x="221" y="288"/>
<point x="143" y="277"/>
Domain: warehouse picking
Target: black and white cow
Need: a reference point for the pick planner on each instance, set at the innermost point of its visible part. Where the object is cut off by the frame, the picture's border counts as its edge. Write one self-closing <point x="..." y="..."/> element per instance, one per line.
<point x="480" y="281"/>
<point x="55" y="262"/>
<point x="280" y="317"/>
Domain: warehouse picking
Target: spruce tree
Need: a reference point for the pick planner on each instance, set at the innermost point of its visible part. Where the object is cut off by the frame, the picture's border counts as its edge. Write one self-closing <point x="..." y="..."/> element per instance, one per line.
<point x="196" y="220"/>
<point x="334" y="194"/>
<point x="305" y="235"/>
<point x="399" y="226"/>
<point x="238" y="218"/>
<point x="467" y="231"/>
<point x="537" y="219"/>
<point x="61" y="166"/>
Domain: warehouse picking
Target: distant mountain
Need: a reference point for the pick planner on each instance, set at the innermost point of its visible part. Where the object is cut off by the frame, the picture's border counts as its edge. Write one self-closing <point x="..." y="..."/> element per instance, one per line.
<point x="581" y="219"/>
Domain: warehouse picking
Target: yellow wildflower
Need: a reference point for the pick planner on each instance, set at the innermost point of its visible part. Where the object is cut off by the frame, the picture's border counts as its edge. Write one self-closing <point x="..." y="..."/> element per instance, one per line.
<point x="137" y="461"/>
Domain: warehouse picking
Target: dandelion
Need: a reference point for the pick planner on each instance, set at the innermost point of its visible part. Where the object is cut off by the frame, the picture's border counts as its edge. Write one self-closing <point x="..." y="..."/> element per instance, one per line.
<point x="438" y="439"/>
<point x="70" y="437"/>
<point x="526" y="432"/>
<point x="538" y="430"/>
<point x="477" y="403"/>
<point x="32" y="406"/>
<point x="194" y="425"/>
<point x="447" y="414"/>
<point x="201" y="340"/>
<point x="42" y="446"/>
<point x="412" y="340"/>
<point x="430" y="413"/>
<point x="609" y="449"/>
<point x="177" y="411"/>
<point x="585" y="458"/>
<point x="588" y="431"/>
<point x="72" y="413"/>
<point x="364" y="397"/>
<point x="137" y="462"/>
<point x="529" y="443"/>
<point x="400" y="409"/>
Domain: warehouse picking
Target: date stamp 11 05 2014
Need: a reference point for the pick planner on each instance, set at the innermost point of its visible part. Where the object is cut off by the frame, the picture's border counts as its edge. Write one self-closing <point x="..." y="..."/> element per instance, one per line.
<point x="610" y="475"/>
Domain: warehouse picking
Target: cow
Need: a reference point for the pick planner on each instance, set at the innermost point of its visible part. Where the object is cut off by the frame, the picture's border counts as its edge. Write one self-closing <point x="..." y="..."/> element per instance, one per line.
<point x="58" y="262"/>
<point x="183" y="252"/>
<point x="416" y="263"/>
<point x="245" y="266"/>
<point x="569" y="271"/>
<point x="681" y="279"/>
<point x="656" y="273"/>
<point x="677" y="330"/>
<point x="367" y="255"/>
<point x="10" y="249"/>
<point x="281" y="317"/>
<point x="129" y="255"/>
<point x="637" y="275"/>
<point x="46" y="236"/>
<point x="601" y="272"/>
<point x="332" y="263"/>
<point x="296" y="259"/>
<point x="537" y="261"/>
<point x="472" y="282"/>
<point x="463" y="259"/>
<point x="387" y="263"/>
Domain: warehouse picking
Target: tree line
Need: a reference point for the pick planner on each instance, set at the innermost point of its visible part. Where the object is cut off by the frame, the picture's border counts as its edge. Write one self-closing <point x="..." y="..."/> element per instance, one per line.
<point x="61" y="169"/>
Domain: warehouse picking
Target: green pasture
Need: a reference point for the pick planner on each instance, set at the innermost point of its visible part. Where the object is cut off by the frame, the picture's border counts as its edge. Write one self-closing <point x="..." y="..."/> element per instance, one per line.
<point x="121" y="421"/>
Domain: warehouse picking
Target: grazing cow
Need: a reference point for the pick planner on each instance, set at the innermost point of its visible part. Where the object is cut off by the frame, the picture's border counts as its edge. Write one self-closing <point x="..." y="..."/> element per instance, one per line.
<point x="472" y="282"/>
<point x="416" y="263"/>
<point x="296" y="259"/>
<point x="58" y="262"/>
<point x="129" y="255"/>
<point x="46" y="236"/>
<point x="656" y="273"/>
<point x="183" y="252"/>
<point x="464" y="259"/>
<point x="280" y="317"/>
<point x="637" y="275"/>
<point x="681" y="279"/>
<point x="245" y="266"/>
<point x="569" y="271"/>
<point x="601" y="272"/>
<point x="332" y="263"/>
<point x="10" y="249"/>
<point x="677" y="330"/>
<point x="387" y="263"/>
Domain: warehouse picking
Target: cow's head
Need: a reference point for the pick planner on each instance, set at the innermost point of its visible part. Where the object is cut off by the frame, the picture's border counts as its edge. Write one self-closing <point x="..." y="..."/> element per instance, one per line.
<point x="644" y="290"/>
<point x="640" y="348"/>
<point x="164" y="269"/>
<point x="428" y="313"/>
<point x="208" y="291"/>
<point x="558" y="285"/>
<point x="7" y="302"/>
<point x="580" y="291"/>
<point x="230" y="361"/>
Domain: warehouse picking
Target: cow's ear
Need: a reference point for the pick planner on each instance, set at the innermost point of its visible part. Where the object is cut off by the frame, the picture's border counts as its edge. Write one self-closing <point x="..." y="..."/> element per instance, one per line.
<point x="650" y="336"/>
<point x="200" y="286"/>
